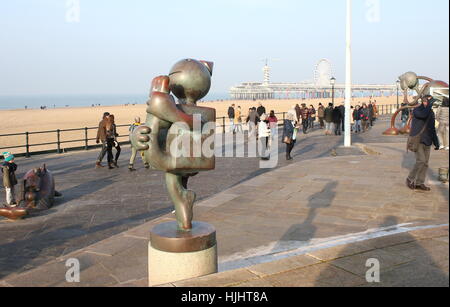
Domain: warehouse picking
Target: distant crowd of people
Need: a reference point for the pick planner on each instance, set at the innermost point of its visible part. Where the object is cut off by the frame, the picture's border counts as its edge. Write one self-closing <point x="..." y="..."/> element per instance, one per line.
<point x="332" y="118"/>
<point x="302" y="118"/>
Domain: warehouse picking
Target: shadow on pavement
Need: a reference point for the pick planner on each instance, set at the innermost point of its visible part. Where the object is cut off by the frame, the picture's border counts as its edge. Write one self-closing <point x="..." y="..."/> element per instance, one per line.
<point x="407" y="264"/>
<point x="15" y="256"/>
<point x="306" y="230"/>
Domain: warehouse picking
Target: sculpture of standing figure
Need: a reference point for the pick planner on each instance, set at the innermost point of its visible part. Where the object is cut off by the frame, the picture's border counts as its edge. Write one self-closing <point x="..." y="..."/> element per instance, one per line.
<point x="410" y="81"/>
<point x="189" y="80"/>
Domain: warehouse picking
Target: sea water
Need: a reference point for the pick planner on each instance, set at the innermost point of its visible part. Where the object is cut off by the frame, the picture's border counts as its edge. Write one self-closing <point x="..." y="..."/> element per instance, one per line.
<point x="64" y="101"/>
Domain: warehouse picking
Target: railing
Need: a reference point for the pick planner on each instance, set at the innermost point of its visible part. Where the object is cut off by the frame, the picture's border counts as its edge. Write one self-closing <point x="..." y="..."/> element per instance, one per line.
<point x="57" y="146"/>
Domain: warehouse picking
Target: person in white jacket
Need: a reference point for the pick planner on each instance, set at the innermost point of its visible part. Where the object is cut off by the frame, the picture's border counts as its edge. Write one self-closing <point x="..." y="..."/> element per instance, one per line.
<point x="264" y="135"/>
<point x="442" y="118"/>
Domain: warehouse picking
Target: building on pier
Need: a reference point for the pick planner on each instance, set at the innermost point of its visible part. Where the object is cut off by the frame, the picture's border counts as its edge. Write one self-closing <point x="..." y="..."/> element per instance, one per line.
<point x="319" y="88"/>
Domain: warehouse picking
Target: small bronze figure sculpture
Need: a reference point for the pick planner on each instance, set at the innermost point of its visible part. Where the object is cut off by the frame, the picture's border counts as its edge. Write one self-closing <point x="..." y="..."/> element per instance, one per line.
<point x="410" y="81"/>
<point x="189" y="80"/>
<point x="37" y="193"/>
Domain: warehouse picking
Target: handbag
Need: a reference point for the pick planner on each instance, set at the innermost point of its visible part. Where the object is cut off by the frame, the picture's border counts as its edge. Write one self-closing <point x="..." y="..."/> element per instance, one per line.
<point x="412" y="145"/>
<point x="287" y="140"/>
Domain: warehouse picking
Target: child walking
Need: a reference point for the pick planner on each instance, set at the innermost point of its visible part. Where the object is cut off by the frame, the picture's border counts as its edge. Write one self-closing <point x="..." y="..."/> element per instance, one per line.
<point x="9" y="178"/>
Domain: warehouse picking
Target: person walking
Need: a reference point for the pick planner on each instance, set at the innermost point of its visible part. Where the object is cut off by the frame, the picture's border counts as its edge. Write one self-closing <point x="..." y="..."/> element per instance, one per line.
<point x="247" y="118"/>
<point x="371" y="114"/>
<point x="375" y="111"/>
<point x="298" y="112"/>
<point x="423" y="127"/>
<point x="273" y="124"/>
<point x="337" y="120"/>
<point x="365" y="117"/>
<point x="321" y="115"/>
<point x="294" y="112"/>
<point x="116" y="141"/>
<point x="263" y="136"/>
<point x="405" y="115"/>
<point x="328" y="119"/>
<point x="290" y="130"/>
<point x="443" y="129"/>
<point x="357" y="119"/>
<point x="261" y="109"/>
<point x="252" y="121"/>
<point x="342" y="111"/>
<point x="231" y="115"/>
<point x="110" y="141"/>
<point x="9" y="169"/>
<point x="312" y="116"/>
<point x="238" y="120"/>
<point x="305" y="118"/>
<point x="137" y="123"/>
<point x="101" y="137"/>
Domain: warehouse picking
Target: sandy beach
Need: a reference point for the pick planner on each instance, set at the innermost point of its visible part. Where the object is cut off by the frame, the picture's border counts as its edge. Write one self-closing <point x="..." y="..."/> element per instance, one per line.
<point x="33" y="120"/>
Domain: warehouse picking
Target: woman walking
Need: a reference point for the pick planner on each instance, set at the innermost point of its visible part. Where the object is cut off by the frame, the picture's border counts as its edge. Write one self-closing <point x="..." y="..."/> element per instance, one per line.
<point x="264" y="134"/>
<point x="312" y="116"/>
<point x="290" y="131"/>
<point x="365" y="117"/>
<point x="273" y="124"/>
<point x="238" y="121"/>
<point x="111" y="141"/>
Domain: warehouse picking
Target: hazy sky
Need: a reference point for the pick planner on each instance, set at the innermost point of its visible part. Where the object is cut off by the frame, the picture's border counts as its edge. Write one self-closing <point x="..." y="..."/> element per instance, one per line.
<point x="118" y="46"/>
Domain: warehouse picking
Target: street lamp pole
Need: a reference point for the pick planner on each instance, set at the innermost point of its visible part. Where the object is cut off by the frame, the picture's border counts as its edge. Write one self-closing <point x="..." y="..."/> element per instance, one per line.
<point x="348" y="77"/>
<point x="398" y="102"/>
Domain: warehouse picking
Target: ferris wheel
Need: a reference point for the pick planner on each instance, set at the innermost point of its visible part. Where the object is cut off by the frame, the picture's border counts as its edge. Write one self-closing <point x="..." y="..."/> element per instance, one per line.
<point x="323" y="73"/>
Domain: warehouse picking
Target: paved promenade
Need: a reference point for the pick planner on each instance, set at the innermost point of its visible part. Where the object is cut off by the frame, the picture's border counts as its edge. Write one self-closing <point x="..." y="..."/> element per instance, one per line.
<point x="310" y="222"/>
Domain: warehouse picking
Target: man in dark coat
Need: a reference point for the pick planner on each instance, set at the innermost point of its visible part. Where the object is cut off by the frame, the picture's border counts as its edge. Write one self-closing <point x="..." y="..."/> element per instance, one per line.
<point x="231" y="117"/>
<point x="342" y="111"/>
<point x="371" y="114"/>
<point x="328" y="113"/>
<point x="423" y="120"/>
<point x="261" y="110"/>
<point x="337" y="118"/>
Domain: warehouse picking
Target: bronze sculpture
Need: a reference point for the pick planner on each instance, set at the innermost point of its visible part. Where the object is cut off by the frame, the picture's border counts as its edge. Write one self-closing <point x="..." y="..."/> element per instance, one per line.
<point x="37" y="193"/>
<point x="189" y="80"/>
<point x="410" y="81"/>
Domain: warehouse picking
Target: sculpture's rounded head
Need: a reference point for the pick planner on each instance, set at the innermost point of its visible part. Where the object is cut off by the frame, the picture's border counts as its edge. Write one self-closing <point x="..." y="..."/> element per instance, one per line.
<point x="33" y="179"/>
<point x="190" y="79"/>
<point x="409" y="80"/>
<point x="437" y="89"/>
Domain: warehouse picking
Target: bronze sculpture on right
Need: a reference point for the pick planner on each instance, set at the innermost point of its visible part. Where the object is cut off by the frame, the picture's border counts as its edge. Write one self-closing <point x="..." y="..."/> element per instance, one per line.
<point x="410" y="81"/>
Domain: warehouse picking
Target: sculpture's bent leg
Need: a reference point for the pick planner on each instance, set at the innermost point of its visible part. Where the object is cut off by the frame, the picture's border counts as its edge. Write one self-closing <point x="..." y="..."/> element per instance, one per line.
<point x="392" y="130"/>
<point x="182" y="198"/>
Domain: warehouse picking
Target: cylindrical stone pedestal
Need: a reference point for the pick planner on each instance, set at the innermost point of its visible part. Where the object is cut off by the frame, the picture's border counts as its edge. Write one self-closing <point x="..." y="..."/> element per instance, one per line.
<point x="176" y="255"/>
